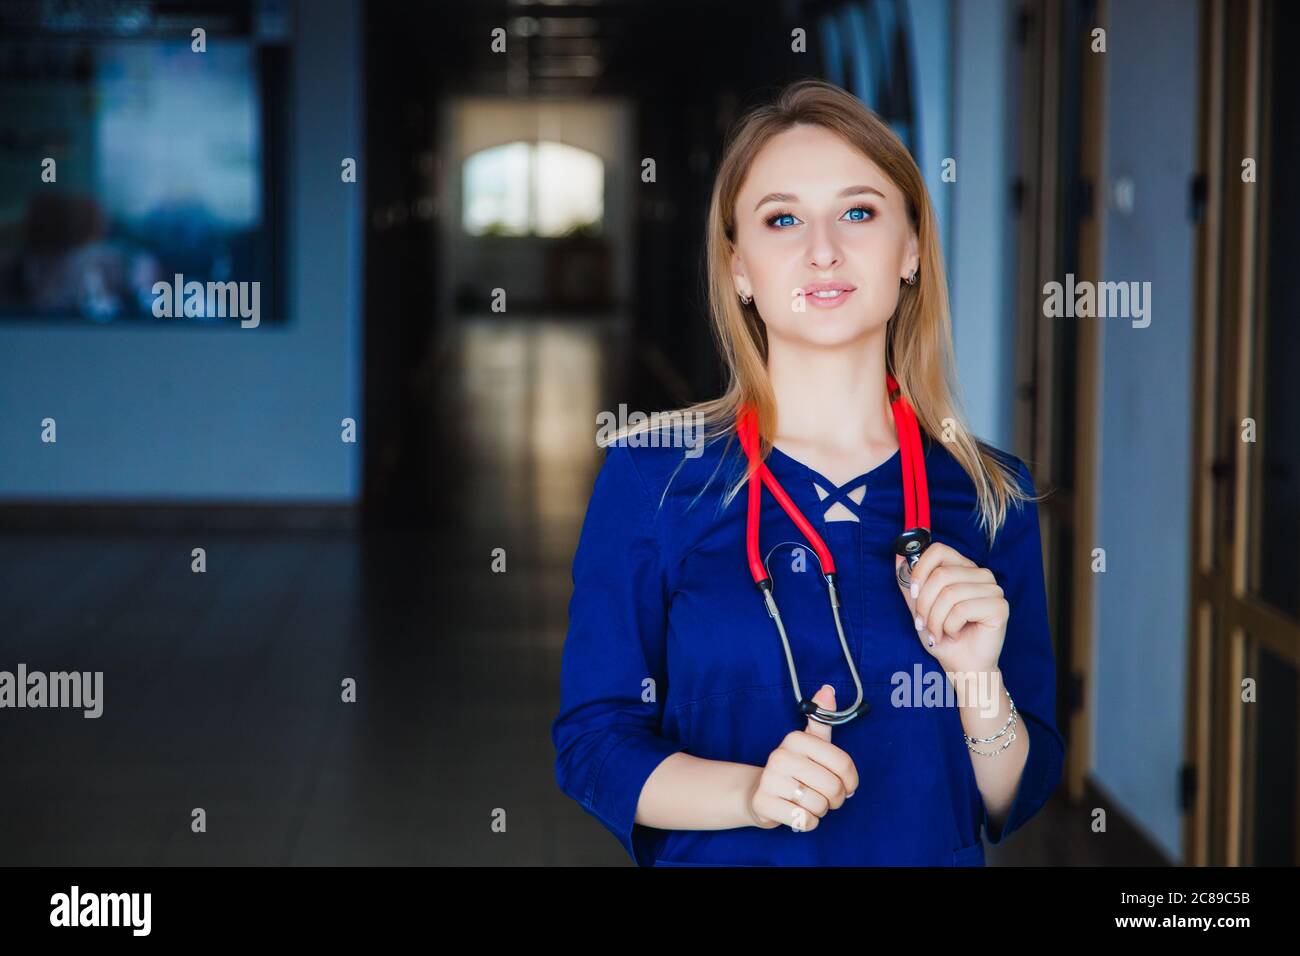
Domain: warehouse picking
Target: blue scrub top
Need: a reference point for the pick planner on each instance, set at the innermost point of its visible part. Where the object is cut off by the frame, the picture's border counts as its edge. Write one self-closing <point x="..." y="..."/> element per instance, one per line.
<point x="670" y="649"/>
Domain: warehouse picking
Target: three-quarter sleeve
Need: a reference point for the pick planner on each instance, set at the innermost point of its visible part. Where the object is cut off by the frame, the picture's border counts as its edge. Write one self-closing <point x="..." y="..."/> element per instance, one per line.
<point x="613" y="667"/>
<point x="1027" y="661"/>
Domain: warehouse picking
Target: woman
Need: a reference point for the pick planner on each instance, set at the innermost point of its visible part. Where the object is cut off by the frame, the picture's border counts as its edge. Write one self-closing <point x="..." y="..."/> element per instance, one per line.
<point x="679" y="727"/>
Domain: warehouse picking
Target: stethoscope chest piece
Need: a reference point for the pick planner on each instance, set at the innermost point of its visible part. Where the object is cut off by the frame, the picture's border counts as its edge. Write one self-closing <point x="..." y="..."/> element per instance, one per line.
<point x="911" y="544"/>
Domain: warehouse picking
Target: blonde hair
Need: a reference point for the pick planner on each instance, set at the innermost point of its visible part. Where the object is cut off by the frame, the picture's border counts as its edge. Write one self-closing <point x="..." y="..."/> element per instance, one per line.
<point x="918" y="348"/>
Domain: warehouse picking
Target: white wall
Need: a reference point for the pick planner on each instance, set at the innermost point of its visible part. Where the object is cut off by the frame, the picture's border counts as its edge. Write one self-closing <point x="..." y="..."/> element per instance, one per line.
<point x="1144" y="493"/>
<point x="982" y="233"/>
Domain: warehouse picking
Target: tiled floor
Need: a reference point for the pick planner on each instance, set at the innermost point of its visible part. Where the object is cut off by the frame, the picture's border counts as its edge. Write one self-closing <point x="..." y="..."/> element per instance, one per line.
<point x="222" y="689"/>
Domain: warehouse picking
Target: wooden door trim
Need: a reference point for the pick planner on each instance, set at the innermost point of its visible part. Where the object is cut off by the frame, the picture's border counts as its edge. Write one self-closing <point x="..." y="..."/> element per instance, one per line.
<point x="1087" y="400"/>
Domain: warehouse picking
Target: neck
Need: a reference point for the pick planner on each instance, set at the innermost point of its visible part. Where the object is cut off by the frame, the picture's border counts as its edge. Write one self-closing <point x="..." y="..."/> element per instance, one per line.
<point x="833" y="397"/>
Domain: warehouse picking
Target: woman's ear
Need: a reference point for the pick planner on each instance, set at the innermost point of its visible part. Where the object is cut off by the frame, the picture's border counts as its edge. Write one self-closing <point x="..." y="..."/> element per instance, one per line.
<point x="738" y="276"/>
<point x="912" y="261"/>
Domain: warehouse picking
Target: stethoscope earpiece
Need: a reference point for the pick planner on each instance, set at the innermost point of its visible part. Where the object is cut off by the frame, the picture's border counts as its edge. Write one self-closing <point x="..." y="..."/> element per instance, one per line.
<point x="810" y="709"/>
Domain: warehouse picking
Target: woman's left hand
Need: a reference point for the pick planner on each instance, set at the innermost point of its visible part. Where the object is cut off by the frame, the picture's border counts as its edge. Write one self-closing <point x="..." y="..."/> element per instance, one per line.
<point x="961" y="605"/>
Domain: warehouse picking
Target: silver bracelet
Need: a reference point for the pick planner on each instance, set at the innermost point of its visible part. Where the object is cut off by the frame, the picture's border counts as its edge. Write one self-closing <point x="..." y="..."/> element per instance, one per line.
<point x="993" y="753"/>
<point x="1011" y="722"/>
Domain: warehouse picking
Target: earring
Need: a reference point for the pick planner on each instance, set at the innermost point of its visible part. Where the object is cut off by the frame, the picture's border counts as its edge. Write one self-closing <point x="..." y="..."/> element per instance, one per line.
<point x="746" y="298"/>
<point x="911" y="279"/>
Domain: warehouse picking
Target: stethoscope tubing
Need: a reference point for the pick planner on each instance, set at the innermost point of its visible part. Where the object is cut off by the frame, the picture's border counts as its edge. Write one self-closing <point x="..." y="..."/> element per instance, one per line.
<point x="820" y="714"/>
<point x="910" y="544"/>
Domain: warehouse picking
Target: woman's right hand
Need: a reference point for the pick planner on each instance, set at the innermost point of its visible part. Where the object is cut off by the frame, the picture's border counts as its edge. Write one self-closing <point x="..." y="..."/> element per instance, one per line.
<point x="805" y="777"/>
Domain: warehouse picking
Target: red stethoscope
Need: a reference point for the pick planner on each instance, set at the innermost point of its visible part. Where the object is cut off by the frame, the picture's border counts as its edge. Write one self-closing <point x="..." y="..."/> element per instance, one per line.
<point x="910" y="544"/>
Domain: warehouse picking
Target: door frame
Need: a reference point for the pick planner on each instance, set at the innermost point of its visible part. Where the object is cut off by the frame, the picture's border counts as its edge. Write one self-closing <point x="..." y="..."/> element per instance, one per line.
<point x="1048" y="409"/>
<point x="1230" y="623"/>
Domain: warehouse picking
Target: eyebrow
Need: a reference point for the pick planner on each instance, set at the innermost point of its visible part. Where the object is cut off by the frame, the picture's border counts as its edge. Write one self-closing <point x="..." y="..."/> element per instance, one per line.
<point x="791" y="197"/>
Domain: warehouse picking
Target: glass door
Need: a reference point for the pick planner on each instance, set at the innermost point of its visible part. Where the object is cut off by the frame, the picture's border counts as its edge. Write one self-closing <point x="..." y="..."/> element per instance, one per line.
<point x="1240" y="784"/>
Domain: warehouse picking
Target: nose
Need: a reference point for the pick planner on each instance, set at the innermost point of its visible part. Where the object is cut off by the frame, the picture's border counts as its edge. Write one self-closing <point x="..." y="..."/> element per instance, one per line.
<point x="823" y="252"/>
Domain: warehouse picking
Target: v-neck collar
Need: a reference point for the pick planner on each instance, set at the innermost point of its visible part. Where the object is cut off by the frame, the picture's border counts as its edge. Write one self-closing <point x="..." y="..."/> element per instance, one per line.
<point x="888" y="473"/>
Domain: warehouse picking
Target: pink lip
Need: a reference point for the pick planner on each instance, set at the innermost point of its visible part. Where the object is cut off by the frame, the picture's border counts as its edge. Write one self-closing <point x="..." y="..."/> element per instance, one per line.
<point x="812" y="287"/>
<point x="831" y="303"/>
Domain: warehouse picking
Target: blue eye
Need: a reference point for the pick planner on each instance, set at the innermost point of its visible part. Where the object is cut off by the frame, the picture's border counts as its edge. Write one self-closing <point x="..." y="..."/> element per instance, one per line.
<point x="772" y="220"/>
<point x="861" y="209"/>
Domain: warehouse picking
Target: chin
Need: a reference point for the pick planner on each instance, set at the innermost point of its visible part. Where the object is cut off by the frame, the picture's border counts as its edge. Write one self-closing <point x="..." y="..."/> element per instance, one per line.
<point x="822" y="330"/>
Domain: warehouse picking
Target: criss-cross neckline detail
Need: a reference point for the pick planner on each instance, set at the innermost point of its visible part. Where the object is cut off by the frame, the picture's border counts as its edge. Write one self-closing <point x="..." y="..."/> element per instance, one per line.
<point x="840" y="492"/>
<point x="843" y="494"/>
<point x="867" y="477"/>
